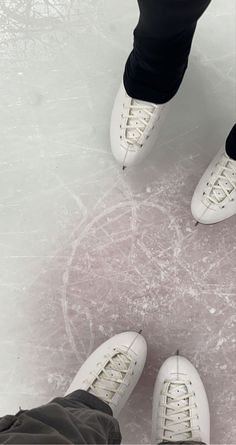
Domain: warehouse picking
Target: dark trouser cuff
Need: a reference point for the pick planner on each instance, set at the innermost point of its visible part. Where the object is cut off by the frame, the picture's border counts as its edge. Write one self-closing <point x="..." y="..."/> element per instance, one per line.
<point x="183" y="443"/>
<point x="89" y="400"/>
<point x="230" y="145"/>
<point x="139" y="86"/>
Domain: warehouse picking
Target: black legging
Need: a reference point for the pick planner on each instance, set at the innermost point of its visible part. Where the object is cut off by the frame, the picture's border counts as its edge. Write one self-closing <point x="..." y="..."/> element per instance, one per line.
<point x="162" y="43"/>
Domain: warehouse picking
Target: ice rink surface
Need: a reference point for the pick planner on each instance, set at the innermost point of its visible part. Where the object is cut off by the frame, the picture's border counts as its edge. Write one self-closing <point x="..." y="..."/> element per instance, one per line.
<point x="87" y="250"/>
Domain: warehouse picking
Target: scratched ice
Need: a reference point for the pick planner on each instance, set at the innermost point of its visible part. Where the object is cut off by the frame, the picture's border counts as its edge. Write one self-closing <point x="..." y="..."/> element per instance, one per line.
<point x="88" y="250"/>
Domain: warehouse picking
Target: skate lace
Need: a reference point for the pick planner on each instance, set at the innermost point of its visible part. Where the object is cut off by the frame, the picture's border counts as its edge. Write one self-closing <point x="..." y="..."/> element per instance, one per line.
<point x="107" y="383"/>
<point x="179" y="412"/>
<point x="222" y="183"/>
<point x="136" y="119"/>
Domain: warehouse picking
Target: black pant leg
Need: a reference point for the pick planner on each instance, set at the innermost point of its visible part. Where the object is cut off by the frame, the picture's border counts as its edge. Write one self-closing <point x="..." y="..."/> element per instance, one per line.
<point x="192" y="442"/>
<point x="230" y="145"/>
<point x="79" y="418"/>
<point x="162" y="43"/>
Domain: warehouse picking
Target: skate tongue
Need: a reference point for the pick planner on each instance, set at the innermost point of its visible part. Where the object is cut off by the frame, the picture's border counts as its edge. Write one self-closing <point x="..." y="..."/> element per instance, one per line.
<point x="179" y="425"/>
<point x="224" y="179"/>
<point x="114" y="373"/>
<point x="109" y="380"/>
<point x="140" y="116"/>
